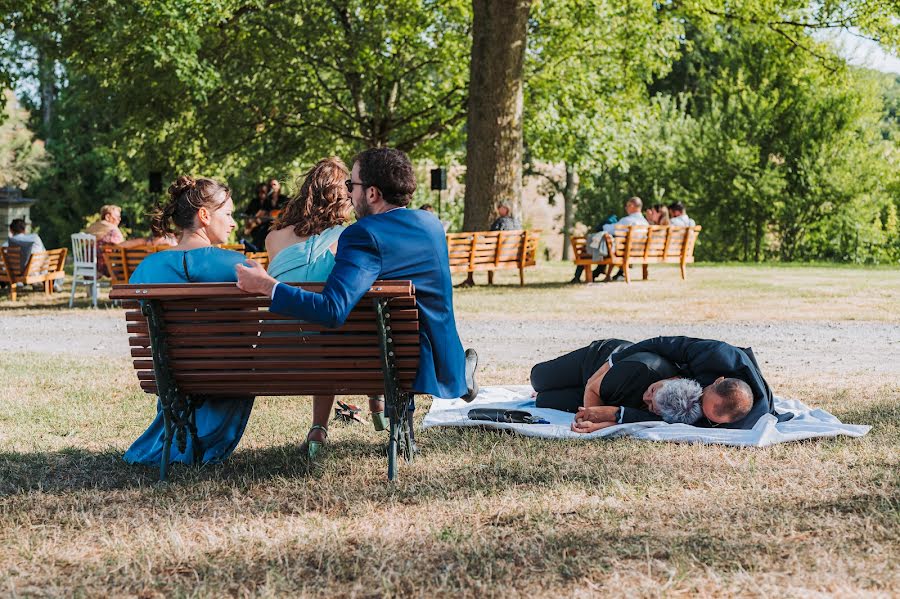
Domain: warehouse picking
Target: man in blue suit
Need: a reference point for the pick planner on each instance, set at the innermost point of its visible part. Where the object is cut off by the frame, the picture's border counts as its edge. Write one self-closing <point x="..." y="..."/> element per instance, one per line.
<point x="386" y="242"/>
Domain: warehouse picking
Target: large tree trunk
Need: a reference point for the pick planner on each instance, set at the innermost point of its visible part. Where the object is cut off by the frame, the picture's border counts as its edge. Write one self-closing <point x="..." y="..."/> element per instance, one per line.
<point x="494" y="126"/>
<point x="569" y="193"/>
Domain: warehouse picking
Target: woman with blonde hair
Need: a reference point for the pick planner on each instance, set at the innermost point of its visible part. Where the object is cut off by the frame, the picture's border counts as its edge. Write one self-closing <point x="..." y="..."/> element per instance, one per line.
<point x="301" y="246"/>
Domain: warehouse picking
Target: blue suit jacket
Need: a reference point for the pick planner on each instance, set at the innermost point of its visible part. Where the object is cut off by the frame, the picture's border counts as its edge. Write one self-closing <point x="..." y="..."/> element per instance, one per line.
<point x="402" y="245"/>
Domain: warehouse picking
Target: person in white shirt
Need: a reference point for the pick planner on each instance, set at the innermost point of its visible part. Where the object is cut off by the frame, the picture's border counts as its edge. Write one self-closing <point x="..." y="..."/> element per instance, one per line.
<point x="18" y="236"/>
<point x="678" y="216"/>
<point x="634" y="216"/>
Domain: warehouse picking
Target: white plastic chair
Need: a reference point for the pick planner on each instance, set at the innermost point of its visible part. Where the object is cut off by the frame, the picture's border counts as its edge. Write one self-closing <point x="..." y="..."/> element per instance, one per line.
<point x="84" y="252"/>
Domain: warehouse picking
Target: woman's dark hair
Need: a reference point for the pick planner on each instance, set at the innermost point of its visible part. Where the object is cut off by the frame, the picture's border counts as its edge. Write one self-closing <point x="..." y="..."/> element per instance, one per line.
<point x="390" y="171"/>
<point x="186" y="196"/>
<point x="322" y="202"/>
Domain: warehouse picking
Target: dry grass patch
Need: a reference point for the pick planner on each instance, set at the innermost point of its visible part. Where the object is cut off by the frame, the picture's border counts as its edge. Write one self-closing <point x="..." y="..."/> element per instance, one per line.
<point x="475" y="514"/>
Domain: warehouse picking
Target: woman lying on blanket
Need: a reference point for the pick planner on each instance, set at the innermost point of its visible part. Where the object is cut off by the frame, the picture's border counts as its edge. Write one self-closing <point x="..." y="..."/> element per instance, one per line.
<point x="639" y="386"/>
<point x="201" y="210"/>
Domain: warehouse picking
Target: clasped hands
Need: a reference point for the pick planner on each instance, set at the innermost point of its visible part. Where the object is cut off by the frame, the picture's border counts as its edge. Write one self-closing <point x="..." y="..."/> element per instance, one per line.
<point x="594" y="415"/>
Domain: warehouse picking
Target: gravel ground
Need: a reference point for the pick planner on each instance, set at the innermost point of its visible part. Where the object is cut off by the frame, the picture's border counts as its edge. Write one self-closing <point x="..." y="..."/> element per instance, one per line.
<point x="832" y="348"/>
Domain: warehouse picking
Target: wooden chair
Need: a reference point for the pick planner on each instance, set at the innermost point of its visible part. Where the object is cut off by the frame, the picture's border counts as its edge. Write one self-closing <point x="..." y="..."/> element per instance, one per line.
<point x="41" y="267"/>
<point x="84" y="269"/>
<point x="194" y="340"/>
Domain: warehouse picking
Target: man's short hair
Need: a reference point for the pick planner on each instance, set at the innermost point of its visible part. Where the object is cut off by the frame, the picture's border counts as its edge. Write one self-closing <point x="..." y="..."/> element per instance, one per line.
<point x="108" y="209"/>
<point x="737" y="396"/>
<point x="635" y="201"/>
<point x="17" y="226"/>
<point x="390" y="171"/>
<point x="678" y="401"/>
<point x="679" y="206"/>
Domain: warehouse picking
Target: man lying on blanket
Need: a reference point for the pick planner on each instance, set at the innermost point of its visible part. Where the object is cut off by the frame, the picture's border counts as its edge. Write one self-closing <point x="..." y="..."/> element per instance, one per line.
<point x="612" y="381"/>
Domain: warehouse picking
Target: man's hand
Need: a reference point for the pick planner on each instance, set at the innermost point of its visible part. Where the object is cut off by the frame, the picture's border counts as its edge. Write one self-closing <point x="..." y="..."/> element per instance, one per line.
<point x="253" y="278"/>
<point x="590" y="427"/>
<point x="597" y="414"/>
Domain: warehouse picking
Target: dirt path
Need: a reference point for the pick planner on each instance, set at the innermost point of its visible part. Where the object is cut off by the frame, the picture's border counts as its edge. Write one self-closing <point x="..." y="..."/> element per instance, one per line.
<point x="830" y="347"/>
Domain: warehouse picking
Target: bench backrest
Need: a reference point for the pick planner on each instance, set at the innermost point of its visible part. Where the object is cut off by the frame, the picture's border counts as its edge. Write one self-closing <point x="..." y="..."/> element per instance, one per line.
<point x="643" y="241"/>
<point x="215" y="339"/>
<point x="122" y="262"/>
<point x="481" y="249"/>
<point x="38" y="264"/>
<point x="260" y="257"/>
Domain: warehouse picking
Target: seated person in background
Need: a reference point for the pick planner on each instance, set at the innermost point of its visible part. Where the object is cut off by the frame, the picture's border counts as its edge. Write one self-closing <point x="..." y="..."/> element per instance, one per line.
<point x="201" y="209"/>
<point x="626" y="391"/>
<point x="634" y="216"/>
<point x="658" y="214"/>
<point x="301" y="244"/>
<point x="107" y="232"/>
<point x="257" y="213"/>
<point x="679" y="217"/>
<point x="735" y="394"/>
<point x="28" y="242"/>
<point x="505" y="221"/>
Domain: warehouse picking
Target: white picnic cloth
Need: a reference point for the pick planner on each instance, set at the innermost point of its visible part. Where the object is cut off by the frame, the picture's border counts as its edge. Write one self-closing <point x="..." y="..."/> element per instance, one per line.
<point x="807" y="423"/>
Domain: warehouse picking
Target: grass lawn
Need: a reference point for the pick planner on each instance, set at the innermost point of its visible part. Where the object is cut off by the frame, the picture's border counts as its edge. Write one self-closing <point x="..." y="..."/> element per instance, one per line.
<point x="475" y="514"/>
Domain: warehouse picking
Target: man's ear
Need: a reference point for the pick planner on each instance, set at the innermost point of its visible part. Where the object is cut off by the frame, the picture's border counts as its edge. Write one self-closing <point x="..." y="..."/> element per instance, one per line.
<point x="718" y="380"/>
<point x="372" y="194"/>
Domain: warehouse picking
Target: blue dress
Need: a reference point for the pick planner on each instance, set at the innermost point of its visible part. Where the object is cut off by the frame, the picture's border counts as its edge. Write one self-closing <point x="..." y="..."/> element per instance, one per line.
<point x="309" y="260"/>
<point x="220" y="422"/>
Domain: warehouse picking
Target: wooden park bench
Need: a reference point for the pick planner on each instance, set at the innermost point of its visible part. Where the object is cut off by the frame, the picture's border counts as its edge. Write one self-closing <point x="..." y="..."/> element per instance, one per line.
<point x="194" y="340"/>
<point x="122" y="262"/>
<point x="639" y="244"/>
<point x="493" y="250"/>
<point x="41" y="267"/>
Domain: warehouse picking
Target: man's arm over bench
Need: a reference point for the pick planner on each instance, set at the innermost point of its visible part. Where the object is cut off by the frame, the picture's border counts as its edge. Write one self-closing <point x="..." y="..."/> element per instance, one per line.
<point x="357" y="266"/>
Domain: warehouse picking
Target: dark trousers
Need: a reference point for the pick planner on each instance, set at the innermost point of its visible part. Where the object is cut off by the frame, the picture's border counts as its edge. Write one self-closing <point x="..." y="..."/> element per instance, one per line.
<point x="580" y="269"/>
<point x="560" y="382"/>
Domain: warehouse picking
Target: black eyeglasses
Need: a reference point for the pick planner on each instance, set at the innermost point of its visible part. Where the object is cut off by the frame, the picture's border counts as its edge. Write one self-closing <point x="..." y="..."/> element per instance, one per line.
<point x="349" y="183"/>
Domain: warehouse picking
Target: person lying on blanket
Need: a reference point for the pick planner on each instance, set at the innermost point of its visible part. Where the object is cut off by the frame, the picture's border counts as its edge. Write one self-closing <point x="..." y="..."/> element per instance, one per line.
<point x="616" y="373"/>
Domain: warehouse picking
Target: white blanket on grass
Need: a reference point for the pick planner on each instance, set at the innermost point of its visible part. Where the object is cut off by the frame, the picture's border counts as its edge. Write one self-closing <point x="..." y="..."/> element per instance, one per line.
<point x="807" y="423"/>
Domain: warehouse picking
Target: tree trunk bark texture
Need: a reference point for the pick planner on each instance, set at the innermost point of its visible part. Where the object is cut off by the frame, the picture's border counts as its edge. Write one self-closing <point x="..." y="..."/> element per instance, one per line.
<point x="494" y="125"/>
<point x="569" y="194"/>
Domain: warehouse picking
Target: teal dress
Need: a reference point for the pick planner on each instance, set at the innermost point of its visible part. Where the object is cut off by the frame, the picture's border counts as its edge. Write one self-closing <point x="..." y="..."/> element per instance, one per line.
<point x="220" y="422"/>
<point x="309" y="260"/>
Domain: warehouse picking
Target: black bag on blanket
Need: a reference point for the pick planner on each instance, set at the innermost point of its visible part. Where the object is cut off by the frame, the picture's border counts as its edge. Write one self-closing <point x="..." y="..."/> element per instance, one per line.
<point x="501" y="415"/>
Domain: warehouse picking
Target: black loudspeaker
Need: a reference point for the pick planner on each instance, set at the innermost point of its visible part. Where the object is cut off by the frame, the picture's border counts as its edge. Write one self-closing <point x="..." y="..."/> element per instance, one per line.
<point x="438" y="179"/>
<point x="156" y="182"/>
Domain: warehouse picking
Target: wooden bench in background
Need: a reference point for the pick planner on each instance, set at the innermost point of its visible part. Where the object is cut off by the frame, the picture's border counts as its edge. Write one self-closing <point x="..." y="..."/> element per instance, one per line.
<point x="493" y="250"/>
<point x="42" y="267"/>
<point x="640" y="244"/>
<point x="212" y="339"/>
<point x="122" y="262"/>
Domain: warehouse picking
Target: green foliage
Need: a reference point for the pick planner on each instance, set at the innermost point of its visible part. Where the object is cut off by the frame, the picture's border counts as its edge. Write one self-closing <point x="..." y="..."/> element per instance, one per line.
<point x="22" y="158"/>
<point x="776" y="152"/>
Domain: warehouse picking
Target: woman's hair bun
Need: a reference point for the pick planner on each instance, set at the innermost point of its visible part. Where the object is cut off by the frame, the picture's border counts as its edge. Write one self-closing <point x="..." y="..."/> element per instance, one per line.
<point x="181" y="184"/>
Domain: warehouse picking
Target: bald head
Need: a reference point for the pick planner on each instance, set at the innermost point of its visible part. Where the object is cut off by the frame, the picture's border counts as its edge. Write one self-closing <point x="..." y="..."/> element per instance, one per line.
<point x="634" y="204"/>
<point x="727" y="400"/>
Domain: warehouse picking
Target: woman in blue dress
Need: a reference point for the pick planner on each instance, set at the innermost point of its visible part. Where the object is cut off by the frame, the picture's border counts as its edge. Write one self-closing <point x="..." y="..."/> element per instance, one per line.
<point x="301" y="247"/>
<point x="201" y="209"/>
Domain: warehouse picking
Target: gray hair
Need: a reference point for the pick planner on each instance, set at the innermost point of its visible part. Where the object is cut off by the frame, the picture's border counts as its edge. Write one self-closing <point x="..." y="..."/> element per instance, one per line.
<point x="678" y="401"/>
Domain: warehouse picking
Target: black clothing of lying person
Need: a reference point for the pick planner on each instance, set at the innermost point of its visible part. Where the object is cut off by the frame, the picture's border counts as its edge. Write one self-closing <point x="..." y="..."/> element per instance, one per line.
<point x="616" y="380"/>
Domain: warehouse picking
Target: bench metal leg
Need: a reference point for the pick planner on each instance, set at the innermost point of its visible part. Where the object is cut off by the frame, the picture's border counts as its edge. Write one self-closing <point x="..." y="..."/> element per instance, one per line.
<point x="401" y="438"/>
<point x="167" y="446"/>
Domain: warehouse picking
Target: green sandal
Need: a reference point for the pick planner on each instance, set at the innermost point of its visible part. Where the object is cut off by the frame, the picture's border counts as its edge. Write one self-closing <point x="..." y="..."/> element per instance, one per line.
<point x="313" y="448"/>
<point x="379" y="420"/>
